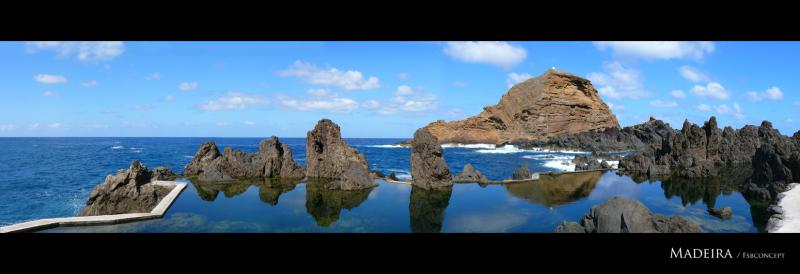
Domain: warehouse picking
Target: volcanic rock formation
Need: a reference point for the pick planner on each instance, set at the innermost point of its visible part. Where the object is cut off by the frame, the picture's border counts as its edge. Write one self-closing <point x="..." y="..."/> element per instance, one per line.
<point x="552" y="104"/>
<point x="619" y="215"/>
<point x="470" y="174"/>
<point x="273" y="160"/>
<point x="128" y="191"/>
<point x="328" y="157"/>
<point x="428" y="169"/>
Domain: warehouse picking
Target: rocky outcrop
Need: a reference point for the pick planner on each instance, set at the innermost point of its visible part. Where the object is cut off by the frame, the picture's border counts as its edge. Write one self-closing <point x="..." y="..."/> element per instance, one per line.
<point x="620" y="215"/>
<point x="470" y="174"/>
<point x="328" y="157"/>
<point x="428" y="169"/>
<point x="594" y="161"/>
<point x="426" y="209"/>
<point x="522" y="173"/>
<point x="722" y="213"/>
<point x="128" y="191"/>
<point x="775" y="166"/>
<point x="273" y="160"/>
<point x="552" y="104"/>
<point x="647" y="135"/>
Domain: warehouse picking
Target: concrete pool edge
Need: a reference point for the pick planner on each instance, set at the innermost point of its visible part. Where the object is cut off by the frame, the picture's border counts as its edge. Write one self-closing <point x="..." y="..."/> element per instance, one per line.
<point x="157" y="212"/>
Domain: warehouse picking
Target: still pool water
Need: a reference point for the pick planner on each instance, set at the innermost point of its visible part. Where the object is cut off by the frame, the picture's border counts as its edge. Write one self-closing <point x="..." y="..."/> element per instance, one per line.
<point x="52" y="177"/>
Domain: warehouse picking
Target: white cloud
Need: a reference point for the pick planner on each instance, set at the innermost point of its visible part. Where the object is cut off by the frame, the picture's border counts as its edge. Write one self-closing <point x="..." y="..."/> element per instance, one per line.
<point x="500" y="54"/>
<point x="692" y="74"/>
<point x="331" y="104"/>
<point x="703" y="107"/>
<point x="233" y="101"/>
<point x="408" y="100"/>
<point x="7" y="127"/>
<point x="713" y="89"/>
<point x="678" y="94"/>
<point x="773" y="93"/>
<point x="618" y="82"/>
<point x="663" y="104"/>
<point x="54" y="125"/>
<point x="249" y="122"/>
<point x="320" y="92"/>
<point x="84" y="51"/>
<point x="49" y="93"/>
<point x="615" y="107"/>
<point x="735" y="112"/>
<point x="658" y="50"/>
<point x="50" y="79"/>
<point x="89" y="84"/>
<point x="350" y="80"/>
<point x="154" y="76"/>
<point x="515" y="78"/>
<point x="34" y="126"/>
<point x="169" y="98"/>
<point x="186" y="86"/>
<point x="370" y="104"/>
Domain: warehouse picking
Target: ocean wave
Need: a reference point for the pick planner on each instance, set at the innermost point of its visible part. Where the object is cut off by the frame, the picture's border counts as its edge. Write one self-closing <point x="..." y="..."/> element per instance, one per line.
<point x="484" y="146"/>
<point x="560" y="164"/>
<point x="382" y="146"/>
<point x="501" y="150"/>
<point x="537" y="149"/>
<point x="117" y="147"/>
<point x="188" y="156"/>
<point x="549" y="157"/>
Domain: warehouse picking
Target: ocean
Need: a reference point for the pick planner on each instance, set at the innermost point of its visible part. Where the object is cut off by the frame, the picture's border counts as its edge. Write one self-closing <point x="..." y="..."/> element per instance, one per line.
<point x="52" y="177"/>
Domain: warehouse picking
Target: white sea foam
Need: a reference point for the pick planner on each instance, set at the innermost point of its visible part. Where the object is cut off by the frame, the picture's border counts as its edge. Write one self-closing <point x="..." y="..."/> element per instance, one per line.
<point x="537" y="149"/>
<point x="560" y="164"/>
<point x="117" y="147"/>
<point x="549" y="157"/>
<point x="790" y="204"/>
<point x="188" y="156"/>
<point x="502" y="150"/>
<point x="484" y="146"/>
<point x="613" y="164"/>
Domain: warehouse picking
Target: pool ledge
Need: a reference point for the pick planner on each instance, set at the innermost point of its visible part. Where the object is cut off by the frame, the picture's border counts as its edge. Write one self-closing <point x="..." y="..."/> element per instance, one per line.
<point x="157" y="212"/>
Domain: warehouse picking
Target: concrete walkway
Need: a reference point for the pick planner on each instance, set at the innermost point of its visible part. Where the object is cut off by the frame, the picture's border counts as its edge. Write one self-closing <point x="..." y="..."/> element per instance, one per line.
<point x="156" y="213"/>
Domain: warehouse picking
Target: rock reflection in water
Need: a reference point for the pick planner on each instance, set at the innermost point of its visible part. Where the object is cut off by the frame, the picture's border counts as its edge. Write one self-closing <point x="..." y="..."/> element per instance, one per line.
<point x="426" y="208"/>
<point x="693" y="190"/>
<point x="326" y="204"/>
<point x="269" y="190"/>
<point x="556" y="189"/>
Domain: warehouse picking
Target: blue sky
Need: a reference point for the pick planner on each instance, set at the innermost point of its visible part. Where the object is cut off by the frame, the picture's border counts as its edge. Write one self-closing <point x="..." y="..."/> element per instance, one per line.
<point x="372" y="89"/>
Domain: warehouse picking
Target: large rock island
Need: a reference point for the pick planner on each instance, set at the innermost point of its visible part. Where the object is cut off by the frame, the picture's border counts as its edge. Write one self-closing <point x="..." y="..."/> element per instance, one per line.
<point x="273" y="160"/>
<point x="329" y="158"/>
<point x="552" y="104"/>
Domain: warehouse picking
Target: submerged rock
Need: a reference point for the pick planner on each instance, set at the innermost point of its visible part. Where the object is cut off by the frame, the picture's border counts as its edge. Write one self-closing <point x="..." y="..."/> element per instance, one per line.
<point x="273" y="160"/>
<point x="552" y="104"/>
<point x="522" y="173"/>
<point x="722" y="213"/>
<point x="128" y="191"/>
<point x="469" y="174"/>
<point x="329" y="157"/>
<point x="428" y="169"/>
<point x="620" y="215"/>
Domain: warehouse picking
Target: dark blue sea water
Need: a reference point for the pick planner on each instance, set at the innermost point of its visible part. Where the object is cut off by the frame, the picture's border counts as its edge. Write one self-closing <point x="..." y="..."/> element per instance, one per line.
<point x="52" y="177"/>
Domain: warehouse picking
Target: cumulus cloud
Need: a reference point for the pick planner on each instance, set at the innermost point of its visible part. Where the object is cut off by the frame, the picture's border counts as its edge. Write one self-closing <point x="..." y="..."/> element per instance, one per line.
<point x="49" y="93"/>
<point x="7" y="127"/>
<point x="50" y="79"/>
<point x="371" y="104"/>
<point x="692" y="74"/>
<point x="615" y="107"/>
<point x="169" y="98"/>
<point x="773" y="93"/>
<point x="713" y="90"/>
<point x="500" y="54"/>
<point x="735" y="111"/>
<point x="678" y="94"/>
<point x="663" y="104"/>
<point x="410" y="100"/>
<point x="233" y="101"/>
<point x="618" y="82"/>
<point x="89" y="84"/>
<point x="54" y="125"/>
<point x="703" y="107"/>
<point x="83" y="51"/>
<point x="186" y="86"/>
<point x="658" y="49"/>
<point x="350" y="80"/>
<point x="515" y="78"/>
<point x="330" y="104"/>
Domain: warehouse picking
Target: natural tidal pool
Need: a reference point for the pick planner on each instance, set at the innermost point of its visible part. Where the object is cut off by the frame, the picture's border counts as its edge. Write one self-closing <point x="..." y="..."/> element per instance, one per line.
<point x="539" y="206"/>
<point x="52" y="177"/>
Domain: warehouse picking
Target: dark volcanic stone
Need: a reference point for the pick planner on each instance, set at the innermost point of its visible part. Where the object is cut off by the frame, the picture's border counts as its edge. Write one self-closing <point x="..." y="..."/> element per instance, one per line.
<point x="128" y="191"/>
<point x="722" y="213"/>
<point x="328" y="157"/>
<point x="620" y="215"/>
<point x="521" y="173"/>
<point x="469" y="174"/>
<point x="428" y="169"/>
<point x="273" y="160"/>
